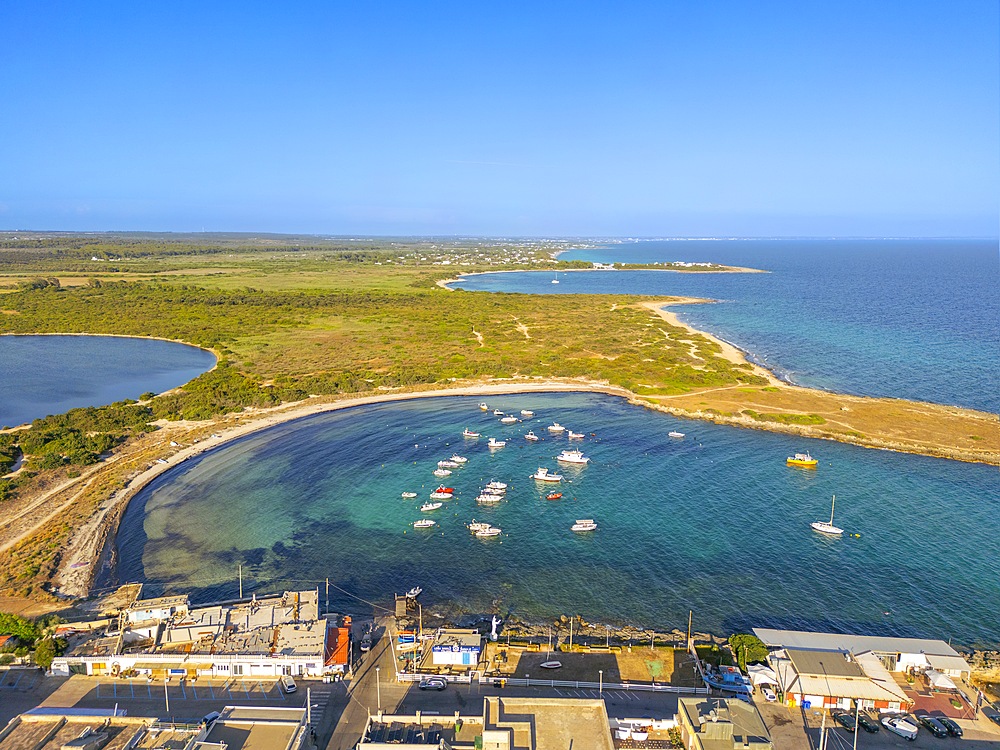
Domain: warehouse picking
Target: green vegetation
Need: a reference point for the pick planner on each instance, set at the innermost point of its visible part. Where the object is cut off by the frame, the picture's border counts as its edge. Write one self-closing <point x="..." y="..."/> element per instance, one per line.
<point x="747" y="649"/>
<point x="810" y="419"/>
<point x="26" y="631"/>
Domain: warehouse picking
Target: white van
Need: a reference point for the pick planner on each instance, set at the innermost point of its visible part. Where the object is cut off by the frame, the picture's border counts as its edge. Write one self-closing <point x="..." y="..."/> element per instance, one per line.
<point x="287" y="684"/>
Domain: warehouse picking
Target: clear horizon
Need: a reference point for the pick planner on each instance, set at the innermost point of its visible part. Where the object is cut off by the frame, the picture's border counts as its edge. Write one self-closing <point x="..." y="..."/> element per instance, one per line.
<point x="652" y="120"/>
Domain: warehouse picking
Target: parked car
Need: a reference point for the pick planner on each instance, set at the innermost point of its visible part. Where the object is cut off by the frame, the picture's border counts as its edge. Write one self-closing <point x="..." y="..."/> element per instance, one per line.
<point x="953" y="729"/>
<point x="433" y="683"/>
<point x="934" y="726"/>
<point x="901" y="725"/>
<point x="846" y="721"/>
<point x="867" y="724"/>
<point x="995" y="718"/>
<point x="768" y="694"/>
<point x="287" y="684"/>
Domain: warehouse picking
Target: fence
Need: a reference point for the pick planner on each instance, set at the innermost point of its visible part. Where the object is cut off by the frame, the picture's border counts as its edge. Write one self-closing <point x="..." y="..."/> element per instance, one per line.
<point x="576" y="684"/>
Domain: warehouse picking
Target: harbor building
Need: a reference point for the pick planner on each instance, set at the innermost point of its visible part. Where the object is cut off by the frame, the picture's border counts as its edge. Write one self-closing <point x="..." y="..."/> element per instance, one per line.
<point x="261" y="637"/>
<point x="831" y="670"/>
<point x="720" y="724"/>
<point x="456" y="648"/>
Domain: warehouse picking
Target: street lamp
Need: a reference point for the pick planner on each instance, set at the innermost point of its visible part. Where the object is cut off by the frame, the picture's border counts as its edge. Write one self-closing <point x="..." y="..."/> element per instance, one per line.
<point x="607" y="641"/>
<point x="378" y="689"/>
<point x="600" y="672"/>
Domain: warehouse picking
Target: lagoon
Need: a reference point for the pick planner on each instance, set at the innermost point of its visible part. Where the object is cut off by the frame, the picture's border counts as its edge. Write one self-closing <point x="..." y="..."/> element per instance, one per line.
<point x="43" y="375"/>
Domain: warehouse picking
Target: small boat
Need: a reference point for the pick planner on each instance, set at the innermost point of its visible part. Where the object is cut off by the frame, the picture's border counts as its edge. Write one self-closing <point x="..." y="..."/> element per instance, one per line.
<point x="550" y="664"/>
<point x="414" y="592"/>
<point x="675" y="434"/>
<point x="458" y="459"/>
<point x="543" y="475"/>
<point x="483" y="406"/>
<point x="495" y="485"/>
<point x="824" y="527"/>
<point x="508" y="420"/>
<point x="556" y="427"/>
<point x="573" y="457"/>
<point x="448" y="464"/>
<point x="446" y="490"/>
<point x="801" y="459"/>
<point x="478" y="526"/>
<point x="424" y="523"/>
<point x="488" y="499"/>
<point x="527" y="413"/>
<point x="491" y="531"/>
<point x="469" y="433"/>
<point x="427" y="507"/>
<point x="497" y="413"/>
<point x="409" y="494"/>
<point x="553" y="496"/>
<point x="576" y="435"/>
<point x="532" y="436"/>
<point x="442" y="472"/>
<point x="494" y="443"/>
<point x="729" y="679"/>
<point x="584" y="524"/>
<point x="441" y="496"/>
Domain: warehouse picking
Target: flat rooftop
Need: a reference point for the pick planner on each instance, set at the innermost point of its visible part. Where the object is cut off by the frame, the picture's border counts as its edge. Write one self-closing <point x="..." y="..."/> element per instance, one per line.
<point x="29" y="734"/>
<point x="825" y="663"/>
<point x="542" y="723"/>
<point x="251" y="728"/>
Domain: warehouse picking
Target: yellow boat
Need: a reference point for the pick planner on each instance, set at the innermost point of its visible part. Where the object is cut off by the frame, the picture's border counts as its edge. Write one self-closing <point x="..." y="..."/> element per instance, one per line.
<point x="802" y="459"/>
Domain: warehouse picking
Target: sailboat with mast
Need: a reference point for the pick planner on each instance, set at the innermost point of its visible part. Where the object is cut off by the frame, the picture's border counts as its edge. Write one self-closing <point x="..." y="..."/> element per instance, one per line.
<point x="824" y="527"/>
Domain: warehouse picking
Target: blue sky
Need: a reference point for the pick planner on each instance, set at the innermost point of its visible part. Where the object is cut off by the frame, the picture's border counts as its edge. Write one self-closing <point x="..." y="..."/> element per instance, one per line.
<point x="694" y="118"/>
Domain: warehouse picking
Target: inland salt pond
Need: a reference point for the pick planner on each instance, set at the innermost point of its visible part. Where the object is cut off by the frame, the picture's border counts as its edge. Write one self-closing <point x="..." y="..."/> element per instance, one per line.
<point x="43" y="375"/>
<point x="714" y="521"/>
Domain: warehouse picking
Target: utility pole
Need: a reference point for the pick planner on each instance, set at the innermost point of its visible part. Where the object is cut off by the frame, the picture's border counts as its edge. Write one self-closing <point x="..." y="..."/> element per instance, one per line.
<point x="165" y="696"/>
<point x="571" y="634"/>
<point x="241" y="580"/>
<point x="309" y="714"/>
<point x="378" y="689"/>
<point x="857" y="715"/>
<point x="690" y="618"/>
<point x="327" y="608"/>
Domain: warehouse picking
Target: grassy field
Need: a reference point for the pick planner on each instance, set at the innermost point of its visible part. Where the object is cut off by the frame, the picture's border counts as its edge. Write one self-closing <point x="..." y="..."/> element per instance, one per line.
<point x="292" y="317"/>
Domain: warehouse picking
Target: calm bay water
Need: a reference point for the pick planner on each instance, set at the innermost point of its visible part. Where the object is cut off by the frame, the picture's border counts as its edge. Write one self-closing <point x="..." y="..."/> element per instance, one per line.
<point x="715" y="522"/>
<point x="42" y="375"/>
<point x="916" y="319"/>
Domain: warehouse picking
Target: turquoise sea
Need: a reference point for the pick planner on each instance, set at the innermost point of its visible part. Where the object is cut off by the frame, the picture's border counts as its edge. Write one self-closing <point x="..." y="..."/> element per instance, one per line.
<point x="42" y="375"/>
<point x="714" y="522"/>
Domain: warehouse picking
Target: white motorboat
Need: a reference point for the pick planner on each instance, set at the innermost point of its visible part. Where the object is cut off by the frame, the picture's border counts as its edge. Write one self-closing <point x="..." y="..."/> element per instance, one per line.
<point x="543" y="475"/>
<point x="824" y="527"/>
<point x="508" y="420"/>
<point x="409" y="494"/>
<point x="556" y="427"/>
<point x="427" y="507"/>
<point x="573" y="457"/>
<point x="576" y="435"/>
<point x="494" y="443"/>
<point x="424" y="523"/>
<point x="414" y="592"/>
<point x="495" y="485"/>
<point x="491" y="531"/>
<point x="584" y="524"/>
<point x="675" y="434"/>
<point x="550" y="664"/>
<point x="527" y="413"/>
<point x="488" y="499"/>
<point x="483" y="406"/>
<point x="441" y="496"/>
<point x="532" y="436"/>
<point x="497" y="413"/>
<point x="477" y="526"/>
<point x="442" y="472"/>
<point x="469" y="433"/>
<point x="448" y="464"/>
<point x="458" y="459"/>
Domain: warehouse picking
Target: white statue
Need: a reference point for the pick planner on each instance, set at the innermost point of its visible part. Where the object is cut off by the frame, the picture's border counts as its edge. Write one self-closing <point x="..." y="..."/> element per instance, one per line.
<point x="493" y="632"/>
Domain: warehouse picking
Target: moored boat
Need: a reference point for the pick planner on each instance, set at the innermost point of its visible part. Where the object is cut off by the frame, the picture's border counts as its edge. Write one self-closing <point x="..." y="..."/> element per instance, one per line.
<point x="802" y="459"/>
<point x="491" y="531"/>
<point x="488" y="499"/>
<point x="527" y="413"/>
<point x="495" y="485"/>
<point x="555" y="427"/>
<point x="424" y="523"/>
<point x="448" y="464"/>
<point x="675" y="434"/>
<point x="532" y="436"/>
<point x="414" y="592"/>
<point x="508" y="420"/>
<point x="543" y="475"/>
<point x="553" y="496"/>
<point x="427" y="507"/>
<point x="494" y="443"/>
<point x="584" y="524"/>
<point x="409" y="494"/>
<point x="575" y="435"/>
<point x="441" y="496"/>
<point x="458" y="459"/>
<point x="477" y="526"/>
<point x="827" y="527"/>
<point x="497" y="413"/>
<point x="572" y="457"/>
<point x="483" y="406"/>
<point x="469" y="433"/>
<point x="442" y="472"/>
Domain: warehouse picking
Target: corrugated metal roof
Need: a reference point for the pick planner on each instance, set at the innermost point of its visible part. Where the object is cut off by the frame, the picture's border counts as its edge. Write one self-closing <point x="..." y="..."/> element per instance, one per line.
<point x="875" y="684"/>
<point x="856" y="643"/>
